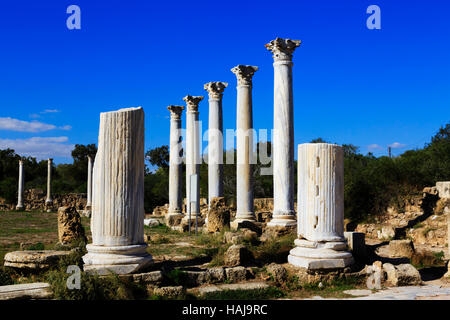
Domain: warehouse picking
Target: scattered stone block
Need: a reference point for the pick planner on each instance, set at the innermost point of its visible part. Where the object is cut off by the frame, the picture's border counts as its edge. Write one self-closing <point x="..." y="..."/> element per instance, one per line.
<point x="254" y="226"/>
<point x="232" y="287"/>
<point x="216" y="274"/>
<point x="236" y="274"/>
<point x="402" y="275"/>
<point x="38" y="290"/>
<point x="196" y="278"/>
<point x="401" y="248"/>
<point x="70" y="228"/>
<point x="33" y="259"/>
<point x="237" y="255"/>
<point x="154" y="277"/>
<point x="386" y="233"/>
<point x="233" y="237"/>
<point x="218" y="216"/>
<point x="173" y="220"/>
<point x="151" y="222"/>
<point x="278" y="272"/>
<point x="375" y="278"/>
<point x="443" y="189"/>
<point x="170" y="292"/>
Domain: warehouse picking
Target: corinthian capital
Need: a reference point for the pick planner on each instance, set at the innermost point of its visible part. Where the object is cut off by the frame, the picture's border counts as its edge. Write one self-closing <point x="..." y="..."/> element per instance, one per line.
<point x="215" y="89"/>
<point x="244" y="74"/>
<point x="192" y="102"/>
<point x="175" y="111"/>
<point x="282" y="49"/>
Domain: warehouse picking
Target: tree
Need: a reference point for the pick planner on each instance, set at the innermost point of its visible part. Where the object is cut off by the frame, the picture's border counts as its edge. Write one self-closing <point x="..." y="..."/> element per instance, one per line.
<point x="158" y="156"/>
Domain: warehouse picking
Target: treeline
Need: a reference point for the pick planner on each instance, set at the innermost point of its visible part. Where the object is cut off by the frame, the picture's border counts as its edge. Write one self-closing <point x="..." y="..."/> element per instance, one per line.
<point x="66" y="178"/>
<point x="371" y="183"/>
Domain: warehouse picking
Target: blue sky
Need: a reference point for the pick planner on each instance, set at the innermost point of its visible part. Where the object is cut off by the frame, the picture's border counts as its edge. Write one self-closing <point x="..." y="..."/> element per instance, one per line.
<point x="371" y="88"/>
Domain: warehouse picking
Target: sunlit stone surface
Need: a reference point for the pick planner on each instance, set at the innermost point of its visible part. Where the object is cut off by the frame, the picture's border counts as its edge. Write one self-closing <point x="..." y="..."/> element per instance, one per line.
<point x="117" y="222"/>
<point x="321" y="243"/>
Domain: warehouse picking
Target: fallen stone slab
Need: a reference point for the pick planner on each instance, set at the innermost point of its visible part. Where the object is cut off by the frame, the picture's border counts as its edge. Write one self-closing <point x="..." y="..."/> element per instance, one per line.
<point x="358" y="292"/>
<point x="38" y="290"/>
<point x="151" y="222"/>
<point x="232" y="287"/>
<point x="33" y="259"/>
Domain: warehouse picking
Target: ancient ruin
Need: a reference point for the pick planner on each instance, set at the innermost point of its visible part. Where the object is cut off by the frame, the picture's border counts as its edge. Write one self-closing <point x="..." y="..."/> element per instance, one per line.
<point x="321" y="243"/>
<point x="283" y="130"/>
<point x="244" y="141"/>
<point x="175" y="161"/>
<point x="21" y="186"/>
<point x="117" y="224"/>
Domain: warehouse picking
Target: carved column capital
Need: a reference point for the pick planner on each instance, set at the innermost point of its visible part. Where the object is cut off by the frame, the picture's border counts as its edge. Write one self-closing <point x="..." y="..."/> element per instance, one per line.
<point x="244" y="74"/>
<point x="175" y="111"/>
<point x="282" y="49"/>
<point x="192" y="102"/>
<point x="215" y="89"/>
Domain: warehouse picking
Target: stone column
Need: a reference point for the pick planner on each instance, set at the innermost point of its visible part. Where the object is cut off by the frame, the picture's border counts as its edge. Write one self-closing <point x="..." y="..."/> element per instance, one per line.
<point x="176" y="161"/>
<point x="283" y="139"/>
<point x="89" y="185"/>
<point x="215" y="139"/>
<point x="192" y="153"/>
<point x="244" y="141"/>
<point x="20" y="190"/>
<point x="321" y="243"/>
<point x="49" y="200"/>
<point x="117" y="222"/>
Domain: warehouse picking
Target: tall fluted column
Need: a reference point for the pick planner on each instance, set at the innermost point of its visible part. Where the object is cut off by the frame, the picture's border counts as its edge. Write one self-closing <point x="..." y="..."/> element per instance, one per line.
<point x="244" y="140"/>
<point x="176" y="161"/>
<point x="321" y="243"/>
<point x="89" y="184"/>
<point x="20" y="190"/>
<point x="117" y="222"/>
<point x="49" y="200"/>
<point x="215" y="139"/>
<point x="192" y="152"/>
<point x="283" y="139"/>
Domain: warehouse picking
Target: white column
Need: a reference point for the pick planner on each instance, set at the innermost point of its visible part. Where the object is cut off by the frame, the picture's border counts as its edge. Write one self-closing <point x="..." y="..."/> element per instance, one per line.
<point x="192" y="151"/>
<point x="89" y="184"/>
<point x="49" y="200"/>
<point x="215" y="139"/>
<point x="117" y="221"/>
<point x="244" y="140"/>
<point x="321" y="243"/>
<point x="176" y="161"/>
<point x="283" y="139"/>
<point x="21" y="184"/>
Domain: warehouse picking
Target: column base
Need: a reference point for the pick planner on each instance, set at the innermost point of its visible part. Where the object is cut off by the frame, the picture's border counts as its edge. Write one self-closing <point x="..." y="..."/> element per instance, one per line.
<point x="186" y="217"/>
<point x="315" y="256"/>
<point x="19" y="208"/>
<point x="282" y="221"/>
<point x="104" y="260"/>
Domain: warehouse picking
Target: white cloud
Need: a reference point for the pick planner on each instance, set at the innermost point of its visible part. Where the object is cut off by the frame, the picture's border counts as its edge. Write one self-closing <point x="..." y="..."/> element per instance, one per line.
<point x="11" y="124"/>
<point x="397" y="145"/>
<point x="39" y="147"/>
<point x="50" y="111"/>
<point x="373" y="147"/>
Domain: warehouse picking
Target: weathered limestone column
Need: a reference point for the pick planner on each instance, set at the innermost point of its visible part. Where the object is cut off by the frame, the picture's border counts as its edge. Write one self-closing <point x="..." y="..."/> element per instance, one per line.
<point x="215" y="139"/>
<point x="321" y="243"/>
<point x="176" y="161"/>
<point x="20" y="189"/>
<point x="283" y="139"/>
<point x="244" y="141"/>
<point x="192" y="152"/>
<point x="89" y="185"/>
<point x="49" y="200"/>
<point x="117" y="222"/>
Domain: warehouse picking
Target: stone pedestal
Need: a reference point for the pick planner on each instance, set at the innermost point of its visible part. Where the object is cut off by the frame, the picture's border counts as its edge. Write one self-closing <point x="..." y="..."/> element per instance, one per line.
<point x="89" y="187"/>
<point x="321" y="244"/>
<point x="192" y="153"/>
<point x="49" y="199"/>
<point x="244" y="148"/>
<point x="117" y="222"/>
<point x="175" y="162"/>
<point x="20" y="188"/>
<point x="283" y="133"/>
<point x="215" y="140"/>
<point x="443" y="188"/>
